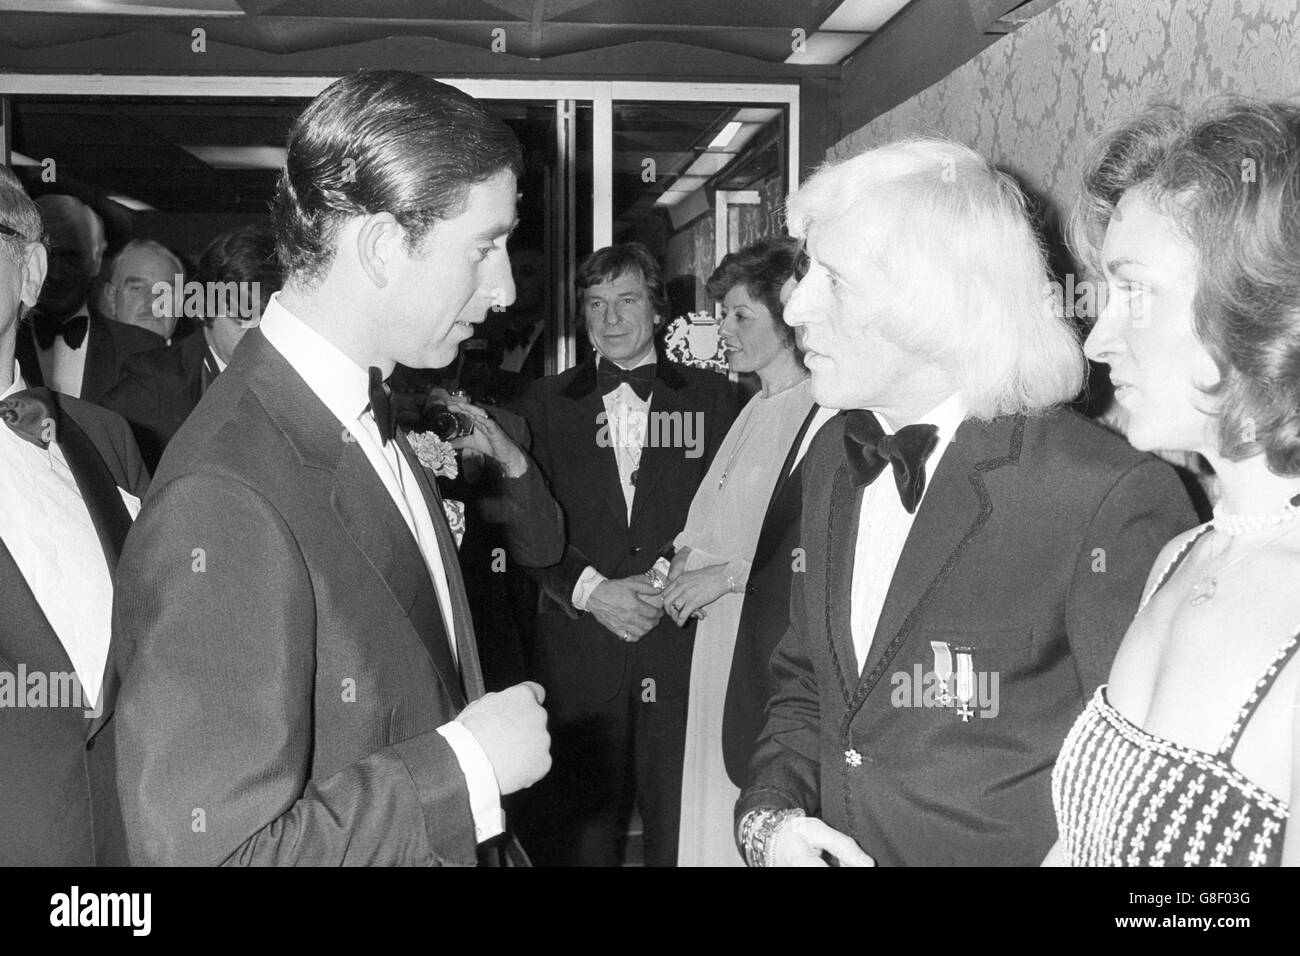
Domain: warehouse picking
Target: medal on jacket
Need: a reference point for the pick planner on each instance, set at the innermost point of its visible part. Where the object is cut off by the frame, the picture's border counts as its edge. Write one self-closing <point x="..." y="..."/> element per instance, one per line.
<point x="965" y="682"/>
<point x="943" y="671"/>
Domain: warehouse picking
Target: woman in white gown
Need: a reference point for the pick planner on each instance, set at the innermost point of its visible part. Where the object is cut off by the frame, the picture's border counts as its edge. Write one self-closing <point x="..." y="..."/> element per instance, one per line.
<point x="711" y="566"/>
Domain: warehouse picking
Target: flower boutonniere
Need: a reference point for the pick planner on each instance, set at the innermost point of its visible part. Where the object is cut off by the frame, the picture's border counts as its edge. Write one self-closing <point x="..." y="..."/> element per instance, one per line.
<point x="434" y="453"/>
<point x="440" y="458"/>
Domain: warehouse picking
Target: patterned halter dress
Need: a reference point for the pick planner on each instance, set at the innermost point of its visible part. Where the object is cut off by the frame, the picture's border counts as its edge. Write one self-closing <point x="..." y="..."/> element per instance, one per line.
<point x="1125" y="797"/>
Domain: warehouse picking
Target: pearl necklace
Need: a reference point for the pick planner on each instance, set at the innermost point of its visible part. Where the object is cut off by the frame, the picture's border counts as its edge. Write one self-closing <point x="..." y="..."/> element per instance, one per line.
<point x="1235" y="524"/>
<point x="1207" y="585"/>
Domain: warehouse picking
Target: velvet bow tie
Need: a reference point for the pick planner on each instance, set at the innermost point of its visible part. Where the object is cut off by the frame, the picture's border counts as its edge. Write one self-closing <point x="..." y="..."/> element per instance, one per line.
<point x="868" y="449"/>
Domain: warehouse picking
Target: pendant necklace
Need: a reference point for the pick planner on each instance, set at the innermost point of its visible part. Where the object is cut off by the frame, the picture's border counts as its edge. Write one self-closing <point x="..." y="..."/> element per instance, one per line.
<point x="1207" y="585"/>
<point x="748" y="435"/>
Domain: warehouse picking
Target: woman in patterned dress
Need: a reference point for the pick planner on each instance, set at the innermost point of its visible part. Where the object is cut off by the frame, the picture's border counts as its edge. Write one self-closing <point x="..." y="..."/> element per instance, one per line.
<point x="1188" y="756"/>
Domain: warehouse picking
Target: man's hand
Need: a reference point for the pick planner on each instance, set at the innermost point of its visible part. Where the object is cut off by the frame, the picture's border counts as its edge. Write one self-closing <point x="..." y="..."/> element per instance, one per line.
<point x="510" y="726"/>
<point x="801" y="841"/>
<point x="627" y="607"/>
<point x="488" y="438"/>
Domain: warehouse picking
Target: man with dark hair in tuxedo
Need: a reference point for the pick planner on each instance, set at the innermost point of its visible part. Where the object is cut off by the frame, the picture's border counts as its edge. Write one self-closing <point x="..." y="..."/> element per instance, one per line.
<point x="70" y="481"/>
<point x="301" y="681"/>
<point x="624" y="439"/>
<point x="158" y="389"/>
<point x="68" y="348"/>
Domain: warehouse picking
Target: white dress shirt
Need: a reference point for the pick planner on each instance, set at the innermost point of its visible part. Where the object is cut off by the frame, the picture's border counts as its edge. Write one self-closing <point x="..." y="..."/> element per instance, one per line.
<point x="627" y="416"/>
<point x="344" y="388"/>
<point x="46" y="527"/>
<point x="883" y="527"/>
<point x="64" y="368"/>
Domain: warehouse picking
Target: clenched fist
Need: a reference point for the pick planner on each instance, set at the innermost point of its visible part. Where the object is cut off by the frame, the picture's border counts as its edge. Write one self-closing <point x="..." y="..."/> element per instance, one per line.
<point x="510" y="726"/>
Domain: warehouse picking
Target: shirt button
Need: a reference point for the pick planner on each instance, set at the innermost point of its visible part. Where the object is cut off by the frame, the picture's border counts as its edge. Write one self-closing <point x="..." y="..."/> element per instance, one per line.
<point x="633" y="551"/>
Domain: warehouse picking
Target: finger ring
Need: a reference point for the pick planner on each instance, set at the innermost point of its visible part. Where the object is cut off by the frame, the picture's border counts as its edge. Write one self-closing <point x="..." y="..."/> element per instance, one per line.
<point x="627" y="636"/>
<point x="677" y="605"/>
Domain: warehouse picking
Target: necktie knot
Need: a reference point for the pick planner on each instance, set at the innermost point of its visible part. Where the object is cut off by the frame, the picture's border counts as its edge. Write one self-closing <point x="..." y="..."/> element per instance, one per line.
<point x="30" y="415"/>
<point x="640" y="379"/>
<point x="381" y="405"/>
<point x="868" y="449"/>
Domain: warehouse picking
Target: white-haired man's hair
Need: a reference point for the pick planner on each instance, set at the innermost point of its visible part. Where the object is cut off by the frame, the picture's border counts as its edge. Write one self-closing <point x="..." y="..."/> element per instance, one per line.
<point x="967" y="281"/>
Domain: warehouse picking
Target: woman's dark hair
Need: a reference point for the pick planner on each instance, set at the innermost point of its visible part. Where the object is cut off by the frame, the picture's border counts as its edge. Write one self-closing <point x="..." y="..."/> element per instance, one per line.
<point x="762" y="269"/>
<point x="1229" y="177"/>
<point x="382" y="140"/>
<point x="606" y="265"/>
<point x="245" y="255"/>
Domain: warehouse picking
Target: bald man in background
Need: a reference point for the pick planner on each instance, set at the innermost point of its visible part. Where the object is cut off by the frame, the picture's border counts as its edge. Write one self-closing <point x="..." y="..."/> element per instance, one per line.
<point x="62" y="346"/>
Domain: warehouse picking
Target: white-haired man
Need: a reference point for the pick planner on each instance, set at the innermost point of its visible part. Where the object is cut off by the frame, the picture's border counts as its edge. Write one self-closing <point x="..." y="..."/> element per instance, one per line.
<point x="955" y="614"/>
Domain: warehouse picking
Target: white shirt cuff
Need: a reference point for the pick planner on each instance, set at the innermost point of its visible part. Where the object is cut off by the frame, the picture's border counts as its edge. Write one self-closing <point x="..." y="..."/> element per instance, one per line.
<point x="480" y="779"/>
<point x="588" y="581"/>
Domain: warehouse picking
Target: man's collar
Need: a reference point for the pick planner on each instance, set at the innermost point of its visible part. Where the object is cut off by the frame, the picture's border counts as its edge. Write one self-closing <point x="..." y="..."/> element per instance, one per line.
<point x="649" y="357"/>
<point x="19" y="385"/>
<point x="947" y="416"/>
<point x="341" y="384"/>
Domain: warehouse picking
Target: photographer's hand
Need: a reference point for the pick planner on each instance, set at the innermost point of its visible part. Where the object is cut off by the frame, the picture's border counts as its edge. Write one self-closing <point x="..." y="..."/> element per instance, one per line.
<point x="488" y="438"/>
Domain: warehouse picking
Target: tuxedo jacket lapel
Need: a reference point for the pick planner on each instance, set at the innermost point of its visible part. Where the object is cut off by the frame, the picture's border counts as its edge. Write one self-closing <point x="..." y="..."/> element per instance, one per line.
<point x="786" y="500"/>
<point x="842" y="527"/>
<point x="26" y="635"/>
<point x="658" y="458"/>
<point x="359" y="499"/>
<point x="100" y="362"/>
<point x="98" y="488"/>
<point x="606" y="485"/>
<point x="466" y="646"/>
<point x="951" y="514"/>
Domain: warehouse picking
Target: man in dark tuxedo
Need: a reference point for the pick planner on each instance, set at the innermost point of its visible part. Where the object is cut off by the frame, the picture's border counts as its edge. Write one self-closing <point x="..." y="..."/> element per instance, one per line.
<point x="300" y="677"/>
<point x="70" y="481"/>
<point x="158" y="389"/>
<point x="66" y="348"/>
<point x="624" y="439"/>
<point x="974" y="550"/>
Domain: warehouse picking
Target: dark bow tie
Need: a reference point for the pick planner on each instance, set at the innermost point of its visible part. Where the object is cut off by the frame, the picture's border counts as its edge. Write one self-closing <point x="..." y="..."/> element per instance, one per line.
<point x="72" y="331"/>
<point x="641" y="379"/>
<point x="382" y="406"/>
<point x="867" y="449"/>
<point x="30" y="415"/>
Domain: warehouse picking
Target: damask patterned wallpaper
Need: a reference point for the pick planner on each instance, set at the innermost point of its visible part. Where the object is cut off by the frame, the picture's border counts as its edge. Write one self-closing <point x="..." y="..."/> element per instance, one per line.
<point x="1035" y="101"/>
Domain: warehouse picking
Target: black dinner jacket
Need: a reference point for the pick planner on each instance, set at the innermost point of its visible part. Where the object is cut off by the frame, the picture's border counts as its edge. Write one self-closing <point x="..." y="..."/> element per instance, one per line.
<point x="285" y="664"/>
<point x="158" y="389"/>
<point x="577" y="658"/>
<point x="58" y="800"/>
<point x="108" y="347"/>
<point x="765" y="613"/>
<point x="1030" y="548"/>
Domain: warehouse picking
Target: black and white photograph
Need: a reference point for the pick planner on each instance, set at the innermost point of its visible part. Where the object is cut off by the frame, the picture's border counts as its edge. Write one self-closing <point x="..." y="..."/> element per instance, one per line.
<point x="651" y="434"/>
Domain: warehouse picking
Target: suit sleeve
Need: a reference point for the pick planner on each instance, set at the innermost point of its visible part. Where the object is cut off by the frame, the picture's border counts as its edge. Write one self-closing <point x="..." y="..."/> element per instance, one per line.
<point x="523" y="506"/>
<point x="783" y="771"/>
<point x="1142" y="511"/>
<point x="559" y="578"/>
<point x="215" y="613"/>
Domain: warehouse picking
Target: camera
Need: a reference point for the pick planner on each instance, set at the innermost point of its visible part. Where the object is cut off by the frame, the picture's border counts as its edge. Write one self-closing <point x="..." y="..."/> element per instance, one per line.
<point x="445" y="423"/>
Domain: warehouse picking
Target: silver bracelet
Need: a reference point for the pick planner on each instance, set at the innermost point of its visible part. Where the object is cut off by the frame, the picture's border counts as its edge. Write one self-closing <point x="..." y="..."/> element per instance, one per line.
<point x="757" y="830"/>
